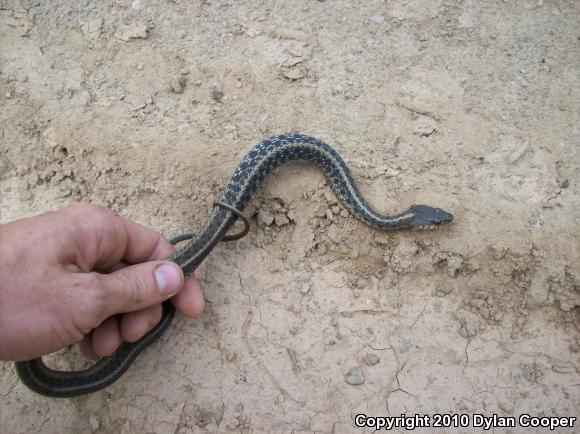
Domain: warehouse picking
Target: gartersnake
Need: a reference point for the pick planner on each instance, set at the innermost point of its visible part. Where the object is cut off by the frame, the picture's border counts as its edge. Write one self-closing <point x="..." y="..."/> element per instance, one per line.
<point x="260" y="161"/>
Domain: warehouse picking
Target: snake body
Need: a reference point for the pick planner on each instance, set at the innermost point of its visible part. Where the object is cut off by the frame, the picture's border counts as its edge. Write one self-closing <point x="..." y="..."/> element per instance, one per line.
<point x="258" y="162"/>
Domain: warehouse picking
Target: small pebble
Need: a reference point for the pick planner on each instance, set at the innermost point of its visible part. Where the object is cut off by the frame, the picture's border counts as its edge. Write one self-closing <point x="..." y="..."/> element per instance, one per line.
<point x="292" y="62"/>
<point x="295" y="51"/>
<point x="424" y="126"/>
<point x="305" y="289"/>
<point x="177" y="84"/>
<point x="294" y="73"/>
<point x="231" y="356"/>
<point x="382" y="239"/>
<point x="94" y="422"/>
<point x="217" y="95"/>
<point x="370" y="359"/>
<point x="563" y="369"/>
<point x="132" y="31"/>
<point x="354" y="377"/>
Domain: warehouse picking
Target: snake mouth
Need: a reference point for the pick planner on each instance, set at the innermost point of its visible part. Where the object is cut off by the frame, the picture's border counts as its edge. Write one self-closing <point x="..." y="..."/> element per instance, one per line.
<point x="426" y="217"/>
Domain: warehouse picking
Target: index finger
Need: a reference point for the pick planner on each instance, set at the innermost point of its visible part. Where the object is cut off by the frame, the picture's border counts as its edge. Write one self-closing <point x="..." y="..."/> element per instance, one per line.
<point x="144" y="244"/>
<point x="103" y="238"/>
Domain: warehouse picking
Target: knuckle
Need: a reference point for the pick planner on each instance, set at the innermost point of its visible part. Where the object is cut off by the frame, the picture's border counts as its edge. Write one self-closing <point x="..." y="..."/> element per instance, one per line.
<point x="82" y="325"/>
<point x="89" y="302"/>
<point x="136" y="290"/>
<point x="99" y="297"/>
<point x="83" y="209"/>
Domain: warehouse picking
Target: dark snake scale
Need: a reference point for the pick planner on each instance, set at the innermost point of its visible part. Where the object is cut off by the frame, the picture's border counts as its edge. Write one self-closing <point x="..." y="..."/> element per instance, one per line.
<point x="253" y="168"/>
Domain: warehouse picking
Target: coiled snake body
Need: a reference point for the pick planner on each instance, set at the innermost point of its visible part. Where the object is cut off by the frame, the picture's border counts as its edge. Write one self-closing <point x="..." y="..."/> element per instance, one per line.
<point x="260" y="161"/>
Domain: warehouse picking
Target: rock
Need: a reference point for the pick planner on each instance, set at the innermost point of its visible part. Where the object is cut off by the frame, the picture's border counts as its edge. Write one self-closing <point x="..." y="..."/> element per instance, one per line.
<point x="265" y="217"/>
<point x="92" y="29"/>
<point x="217" y="95"/>
<point x="136" y="30"/>
<point x="305" y="289"/>
<point x="468" y="329"/>
<point x="94" y="422"/>
<point x="370" y="359"/>
<point x="281" y="219"/>
<point x="295" y="51"/>
<point x="293" y="61"/>
<point x="382" y="239"/>
<point x="295" y="73"/>
<point x="354" y="377"/>
<point x="424" y="126"/>
<point x="177" y="84"/>
<point x="230" y="355"/>
<point x="563" y="369"/>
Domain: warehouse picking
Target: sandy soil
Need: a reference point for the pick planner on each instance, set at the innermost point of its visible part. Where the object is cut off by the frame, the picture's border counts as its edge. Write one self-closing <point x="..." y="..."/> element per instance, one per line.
<point x="147" y="107"/>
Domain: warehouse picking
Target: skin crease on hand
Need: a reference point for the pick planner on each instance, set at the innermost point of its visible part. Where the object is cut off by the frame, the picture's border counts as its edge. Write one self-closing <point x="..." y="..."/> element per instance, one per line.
<point x="84" y="274"/>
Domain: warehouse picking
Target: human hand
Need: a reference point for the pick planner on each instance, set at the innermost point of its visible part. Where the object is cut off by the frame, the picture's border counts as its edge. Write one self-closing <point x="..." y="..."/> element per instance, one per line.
<point x="84" y="274"/>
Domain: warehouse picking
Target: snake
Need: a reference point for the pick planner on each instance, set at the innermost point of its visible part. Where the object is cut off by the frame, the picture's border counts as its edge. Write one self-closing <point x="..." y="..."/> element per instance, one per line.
<point x="253" y="168"/>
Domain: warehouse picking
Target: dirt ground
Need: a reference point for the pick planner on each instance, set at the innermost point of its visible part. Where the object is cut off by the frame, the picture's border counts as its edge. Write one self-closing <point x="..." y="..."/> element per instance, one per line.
<point x="146" y="107"/>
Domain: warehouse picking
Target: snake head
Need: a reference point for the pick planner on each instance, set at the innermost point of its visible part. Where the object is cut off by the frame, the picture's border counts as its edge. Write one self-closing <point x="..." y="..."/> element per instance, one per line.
<point x="426" y="217"/>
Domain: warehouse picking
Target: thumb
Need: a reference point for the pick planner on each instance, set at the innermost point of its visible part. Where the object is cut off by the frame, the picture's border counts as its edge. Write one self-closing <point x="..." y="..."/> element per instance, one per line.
<point x="139" y="286"/>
